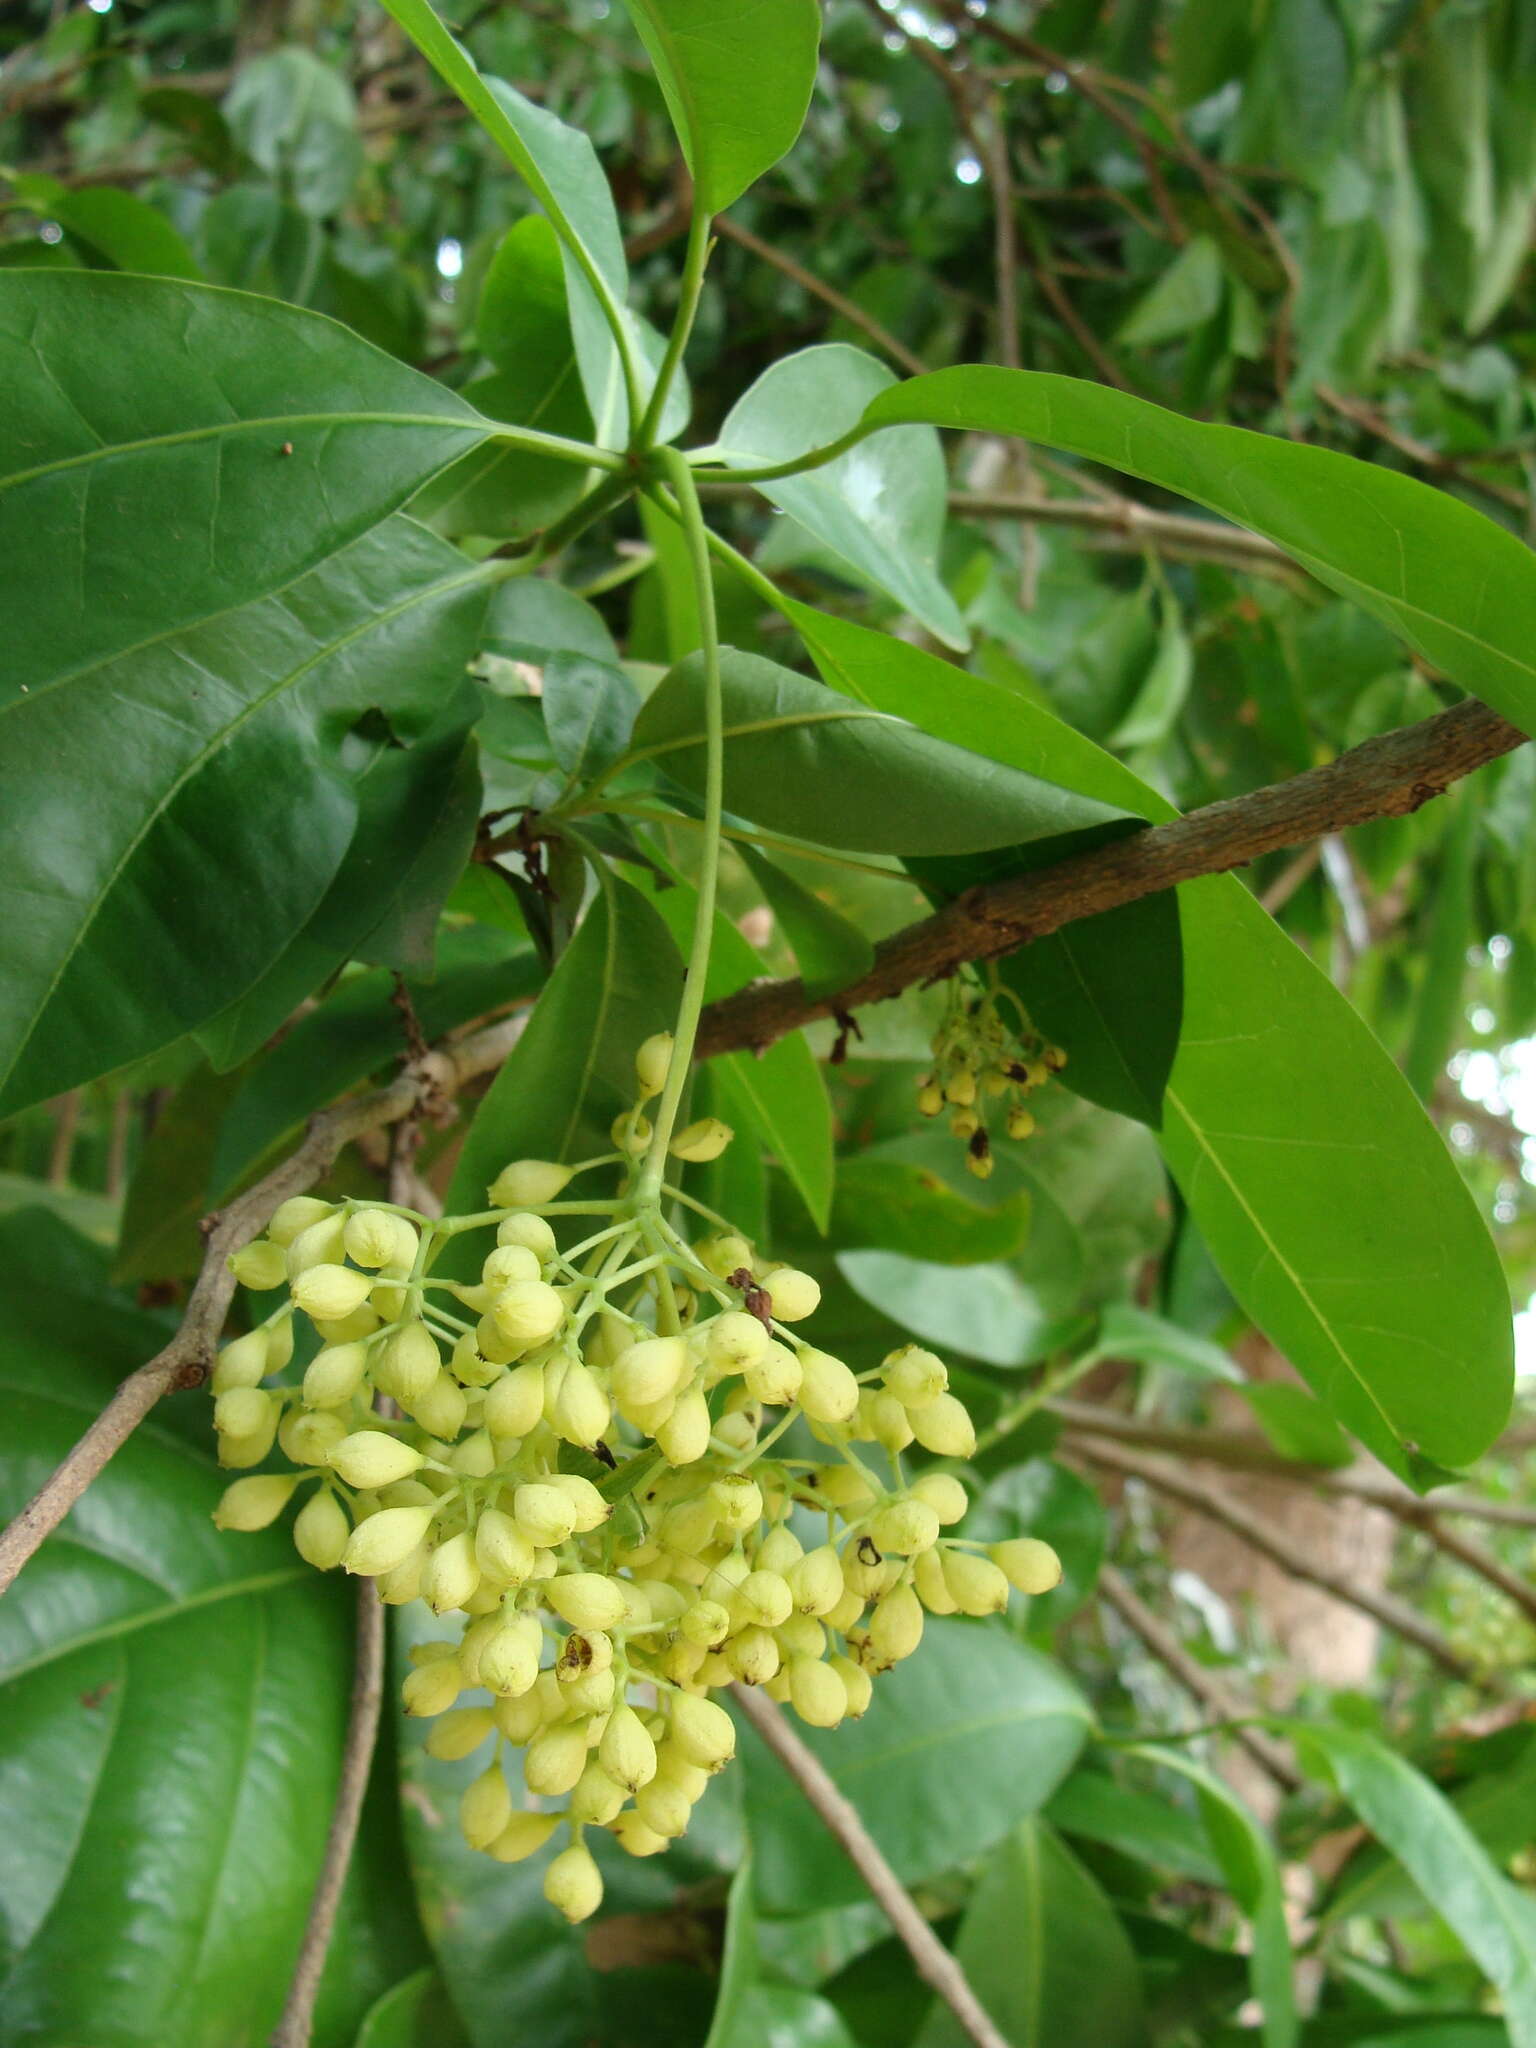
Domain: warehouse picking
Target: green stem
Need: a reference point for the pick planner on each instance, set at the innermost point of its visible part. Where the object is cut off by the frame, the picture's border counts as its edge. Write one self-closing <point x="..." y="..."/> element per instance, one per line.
<point x="814" y="458"/>
<point x="648" y="1188"/>
<point x="694" y="261"/>
<point x="558" y="447"/>
<point x="768" y="840"/>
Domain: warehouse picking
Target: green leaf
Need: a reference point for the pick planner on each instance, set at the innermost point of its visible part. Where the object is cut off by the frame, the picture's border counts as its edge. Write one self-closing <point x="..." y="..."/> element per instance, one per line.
<point x="1155" y="709"/>
<point x="1042" y="1949"/>
<point x="1253" y="1875"/>
<point x="962" y="1741"/>
<point x="295" y="117"/>
<point x="1426" y="1834"/>
<point x="737" y="81"/>
<point x="738" y="1961"/>
<point x="896" y="1205"/>
<point x="589" y="713"/>
<point x="120" y="227"/>
<point x="1297" y="1425"/>
<point x="1128" y="1332"/>
<point x="1438" y="1012"/>
<point x="880" y="508"/>
<point x="830" y="950"/>
<point x="799" y="759"/>
<point x="1186" y="295"/>
<point x="531" y="618"/>
<point x="1094" y="1807"/>
<point x="174" y="1700"/>
<point x="1456" y="587"/>
<point x="144" y="484"/>
<point x="984" y="1311"/>
<point x="415" y="2013"/>
<point x="204" y="768"/>
<point x="1325" y="1194"/>
<point x="168" y="1193"/>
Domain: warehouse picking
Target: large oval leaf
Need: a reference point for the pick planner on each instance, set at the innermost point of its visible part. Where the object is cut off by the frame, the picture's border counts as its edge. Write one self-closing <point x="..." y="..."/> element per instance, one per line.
<point x="1455" y="586"/>
<point x="186" y="450"/>
<point x="799" y="759"/>
<point x="737" y="81"/>
<point x="174" y="815"/>
<point x="1326" y="1195"/>
<point x="880" y="508"/>
<point x="961" y="1742"/>
<point x="173" y="1700"/>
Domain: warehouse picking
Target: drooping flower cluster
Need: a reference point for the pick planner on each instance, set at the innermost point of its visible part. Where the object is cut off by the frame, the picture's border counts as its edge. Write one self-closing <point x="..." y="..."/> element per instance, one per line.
<point x="981" y="1059"/>
<point x="575" y="1454"/>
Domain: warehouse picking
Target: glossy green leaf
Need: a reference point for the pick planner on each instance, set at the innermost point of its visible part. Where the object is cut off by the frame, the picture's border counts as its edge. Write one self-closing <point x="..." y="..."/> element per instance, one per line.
<point x="1298" y="1425"/>
<point x="1042" y="1949"/>
<point x="830" y="950"/>
<point x="737" y="81"/>
<point x="1247" y="1858"/>
<point x="174" y="1700"/>
<point x="1186" y="295"/>
<point x="147" y="486"/>
<point x="415" y="2013"/>
<point x="1129" y="1332"/>
<point x="985" y="1311"/>
<point x="1438" y="1017"/>
<point x="294" y="116"/>
<point x="1094" y="1807"/>
<point x="120" y="227"/>
<point x="202" y="768"/>
<point x="800" y="759"/>
<point x="1407" y="1815"/>
<point x="895" y="1204"/>
<point x="1456" y="587"/>
<point x="960" y="1743"/>
<point x="531" y="618"/>
<point x="1326" y="1196"/>
<point x="589" y="713"/>
<point x="738" y="1959"/>
<point x="782" y="2016"/>
<point x="880" y="508"/>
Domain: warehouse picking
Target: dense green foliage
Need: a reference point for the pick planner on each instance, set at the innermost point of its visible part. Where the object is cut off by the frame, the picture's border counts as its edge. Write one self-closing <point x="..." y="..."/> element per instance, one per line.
<point x="354" y="687"/>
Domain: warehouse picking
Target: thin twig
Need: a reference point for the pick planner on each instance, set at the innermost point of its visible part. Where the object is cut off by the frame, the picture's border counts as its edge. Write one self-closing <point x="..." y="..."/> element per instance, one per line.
<point x="1220" y="1508"/>
<point x="294" y="2028"/>
<point x="1208" y="1687"/>
<point x="935" y="1963"/>
<point x="847" y="309"/>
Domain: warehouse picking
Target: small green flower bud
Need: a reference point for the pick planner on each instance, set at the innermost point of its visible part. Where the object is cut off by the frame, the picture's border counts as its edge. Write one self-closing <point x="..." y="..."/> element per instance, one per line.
<point x="406" y="1363"/>
<point x="451" y="1575"/>
<point x="944" y="1427"/>
<point x="259" y="1265"/>
<point x="816" y="1581"/>
<point x="1027" y="1563"/>
<point x="327" y="1292"/>
<point x="801" y="1636"/>
<point x="634" y="1837"/>
<point x="459" y="1733"/>
<point x="651" y="1063"/>
<point x="795" y="1295"/>
<point x="533" y="1232"/>
<point x="976" y="1585"/>
<point x="626" y="1751"/>
<point x="906" y="1527"/>
<point x="586" y="1599"/>
<point x="244" y="1362"/>
<point x="857" y="1683"/>
<point x="485" y="1808"/>
<point x="828" y="1390"/>
<point x="309" y="1437"/>
<point x="527" y="1184"/>
<point x="842" y="1617"/>
<point x="502" y="1551"/>
<point x="334" y="1375"/>
<point x="370" y="1458"/>
<point x="319" y="1244"/>
<point x="775" y="1377"/>
<point x="385" y="1540"/>
<point x="944" y="1494"/>
<point x="528" y="1312"/>
<point x="684" y="1437"/>
<point x="544" y="1513"/>
<point x="431" y="1689"/>
<point x="816" y="1693"/>
<point x="295" y="1215"/>
<point x="254" y="1503"/>
<point x="320" y="1530"/>
<point x="930" y="1098"/>
<point x="896" y="1625"/>
<point x="574" y="1884"/>
<point x="243" y="1411"/>
<point x="914" y="1376"/>
<point x="1020" y="1124"/>
<point x="555" y="1759"/>
<point x="468" y="1367"/>
<point x="523" y="1836"/>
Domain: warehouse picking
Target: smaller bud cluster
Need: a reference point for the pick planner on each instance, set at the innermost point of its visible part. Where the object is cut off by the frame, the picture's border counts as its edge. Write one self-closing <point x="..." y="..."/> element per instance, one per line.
<point x="980" y="1061"/>
<point x="573" y="1454"/>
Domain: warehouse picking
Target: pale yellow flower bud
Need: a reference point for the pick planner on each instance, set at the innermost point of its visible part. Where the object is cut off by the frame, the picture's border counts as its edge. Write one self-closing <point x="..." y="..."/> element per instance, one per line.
<point x="509" y="1262"/>
<point x="243" y="1411"/>
<point x="648" y="1371"/>
<point x="502" y="1550"/>
<point x="651" y="1063"/>
<point x="828" y="1390"/>
<point x="406" y="1363"/>
<point x="976" y="1585"/>
<point x="255" y="1503"/>
<point x="882" y="1418"/>
<point x="1027" y="1563"/>
<point x="527" y="1184"/>
<point x="944" y="1494"/>
<point x="451" y="1575"/>
<point x="775" y="1377"/>
<point x="441" y="1409"/>
<point x="320" y="1531"/>
<point x="296" y="1215"/>
<point x="724" y="1255"/>
<point x="752" y="1655"/>
<point x="706" y="1624"/>
<point x="523" y="1836"/>
<point x="240" y="1453"/>
<point x="374" y="1237"/>
<point x="544" y="1513"/>
<point x="327" y="1292"/>
<point x="702" y="1141"/>
<point x="574" y="1884"/>
<point x="349" y="1329"/>
<point x="586" y="1599"/>
<point x="800" y="1635"/>
<point x="528" y="1312"/>
<point x="432" y="1688"/>
<point x="533" y="1232"/>
<point x="906" y="1527"/>
<point x="459" y="1733"/>
<point x="370" y="1458"/>
<point x="579" y="1412"/>
<point x="673" y="1768"/>
<point x="467" y="1365"/>
<point x="485" y="1808"/>
<point x="508" y="1663"/>
<point x="244" y="1362"/>
<point x="319" y="1244"/>
<point x="734" y="1339"/>
<point x="684" y="1437"/>
<point x="514" y="1403"/>
<point x="737" y="1501"/>
<point x="816" y="1581"/>
<point x="762" y="1600"/>
<point x="385" y="1540"/>
<point x="795" y="1295"/>
<point x="259" y="1265"/>
<point x="595" y="1797"/>
<point x="663" y="1808"/>
<point x="915" y="1376"/>
<point x="857" y="1683"/>
<point x="334" y="1375"/>
<point x="816" y="1693"/>
<point x="634" y="1837"/>
<point x="932" y="1586"/>
<point x="779" y="1550"/>
<point x="591" y="1509"/>
<point x="896" y="1625"/>
<point x="309" y="1437"/>
<point x="703" y="1732"/>
<point x="944" y="1427"/>
<point x="626" y="1751"/>
<point x="555" y="1759"/>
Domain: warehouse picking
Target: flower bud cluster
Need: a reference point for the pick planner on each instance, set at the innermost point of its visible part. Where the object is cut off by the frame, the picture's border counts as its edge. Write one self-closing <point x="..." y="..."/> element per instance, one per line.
<point x="573" y="1456"/>
<point x="981" y="1062"/>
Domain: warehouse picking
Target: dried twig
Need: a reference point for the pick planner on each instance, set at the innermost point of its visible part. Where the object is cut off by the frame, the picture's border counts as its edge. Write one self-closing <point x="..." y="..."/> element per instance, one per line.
<point x="294" y="2028"/>
<point x="1208" y="1687"/>
<point x="935" y="1964"/>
